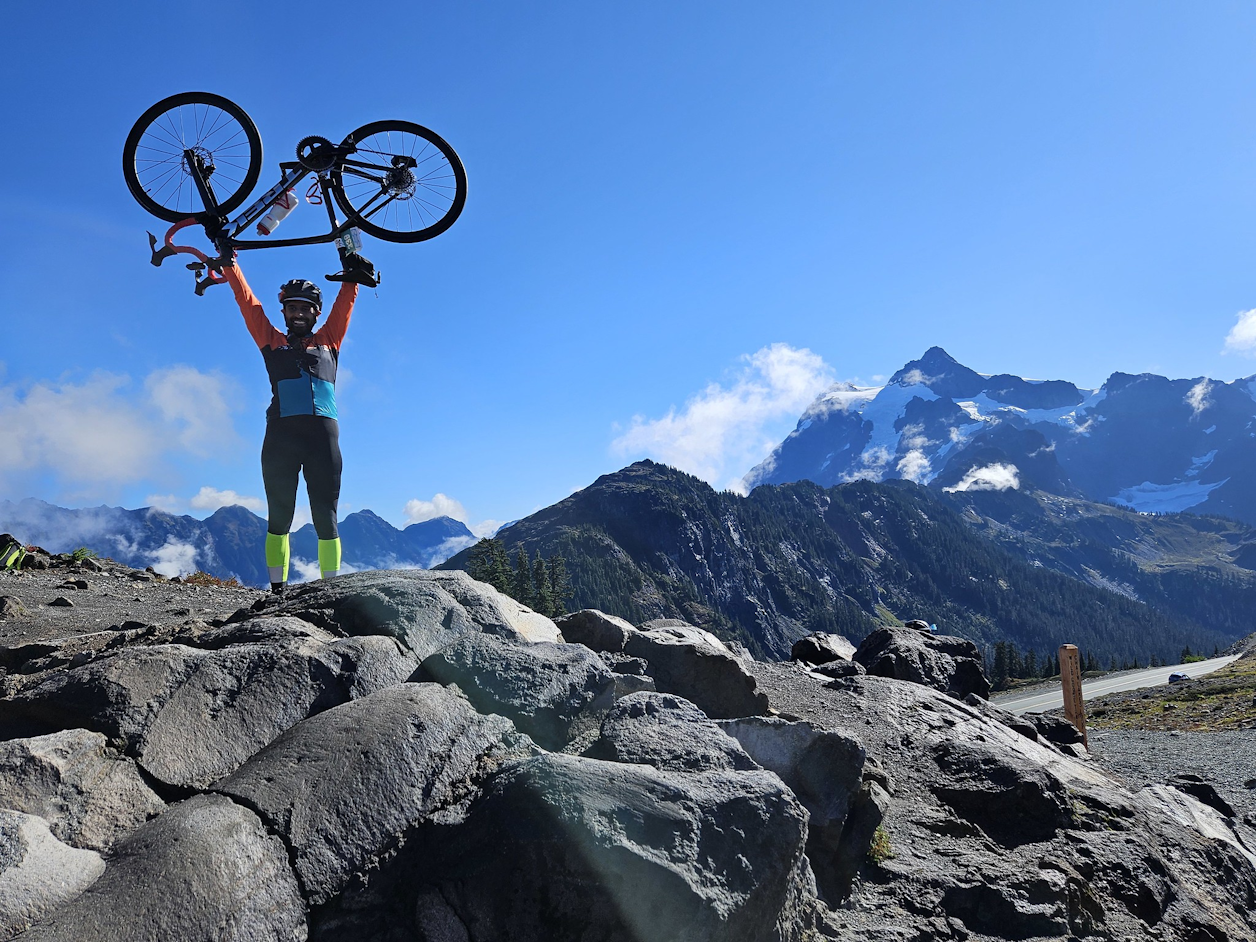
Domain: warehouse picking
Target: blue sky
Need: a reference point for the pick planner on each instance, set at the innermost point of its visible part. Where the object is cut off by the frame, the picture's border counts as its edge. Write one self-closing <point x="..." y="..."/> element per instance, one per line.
<point x="684" y="219"/>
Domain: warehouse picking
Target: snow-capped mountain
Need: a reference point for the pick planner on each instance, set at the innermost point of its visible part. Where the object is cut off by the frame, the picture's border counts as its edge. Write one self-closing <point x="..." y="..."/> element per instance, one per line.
<point x="1146" y="442"/>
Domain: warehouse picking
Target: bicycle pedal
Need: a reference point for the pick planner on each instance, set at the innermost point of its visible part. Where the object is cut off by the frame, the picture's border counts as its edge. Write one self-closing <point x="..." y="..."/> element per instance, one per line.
<point x="196" y="267"/>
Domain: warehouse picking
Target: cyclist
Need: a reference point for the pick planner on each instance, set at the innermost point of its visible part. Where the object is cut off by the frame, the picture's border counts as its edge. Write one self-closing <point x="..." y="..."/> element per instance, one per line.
<point x="302" y="430"/>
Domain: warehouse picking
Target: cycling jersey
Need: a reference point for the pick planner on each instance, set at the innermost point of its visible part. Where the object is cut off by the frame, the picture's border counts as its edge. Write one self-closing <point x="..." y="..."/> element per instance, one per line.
<point x="302" y="370"/>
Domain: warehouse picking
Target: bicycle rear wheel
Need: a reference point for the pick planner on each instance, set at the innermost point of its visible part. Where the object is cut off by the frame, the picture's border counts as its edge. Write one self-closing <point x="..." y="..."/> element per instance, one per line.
<point x="156" y="168"/>
<point x="403" y="183"/>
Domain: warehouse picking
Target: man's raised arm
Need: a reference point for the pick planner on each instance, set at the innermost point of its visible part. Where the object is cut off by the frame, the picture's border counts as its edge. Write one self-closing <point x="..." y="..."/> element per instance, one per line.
<point x="263" y="332"/>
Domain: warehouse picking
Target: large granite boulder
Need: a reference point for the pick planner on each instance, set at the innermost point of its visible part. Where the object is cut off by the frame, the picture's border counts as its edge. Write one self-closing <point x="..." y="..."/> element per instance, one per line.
<point x="189" y="715"/>
<point x="38" y="873"/>
<point x="204" y="871"/>
<point x="669" y="733"/>
<point x="595" y="630"/>
<point x="344" y="788"/>
<point x="694" y="664"/>
<point x="824" y="769"/>
<point x="820" y="647"/>
<point x="564" y="847"/>
<point x="544" y="688"/>
<point x="89" y="794"/>
<point x="424" y="609"/>
<point x="952" y="665"/>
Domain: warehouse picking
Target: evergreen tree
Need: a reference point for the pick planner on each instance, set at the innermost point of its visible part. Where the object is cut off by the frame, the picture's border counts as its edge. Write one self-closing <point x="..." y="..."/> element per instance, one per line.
<point x="1186" y="652"/>
<point x="1031" y="663"/>
<point x="1090" y="663"/>
<point x="560" y="584"/>
<point x="1015" y="663"/>
<point x="490" y="563"/>
<point x="998" y="677"/>
<point x="523" y="578"/>
<point x="542" y="595"/>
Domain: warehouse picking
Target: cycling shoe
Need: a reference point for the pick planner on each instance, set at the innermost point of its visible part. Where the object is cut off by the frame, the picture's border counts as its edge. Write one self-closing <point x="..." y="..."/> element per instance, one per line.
<point x="357" y="269"/>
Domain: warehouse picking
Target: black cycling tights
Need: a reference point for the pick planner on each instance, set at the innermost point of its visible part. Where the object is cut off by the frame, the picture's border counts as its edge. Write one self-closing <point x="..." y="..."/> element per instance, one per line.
<point x="309" y="443"/>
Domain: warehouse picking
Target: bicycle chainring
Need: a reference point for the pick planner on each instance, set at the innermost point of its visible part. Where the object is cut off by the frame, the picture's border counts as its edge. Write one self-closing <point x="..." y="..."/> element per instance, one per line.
<point x="316" y="154"/>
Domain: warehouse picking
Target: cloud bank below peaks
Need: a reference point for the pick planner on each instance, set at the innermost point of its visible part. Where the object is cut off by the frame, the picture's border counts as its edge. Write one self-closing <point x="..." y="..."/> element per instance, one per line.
<point x="725" y="429"/>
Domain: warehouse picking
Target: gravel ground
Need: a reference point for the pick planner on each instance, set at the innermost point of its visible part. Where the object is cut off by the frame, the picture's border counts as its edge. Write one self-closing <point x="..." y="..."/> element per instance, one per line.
<point x="1143" y="757"/>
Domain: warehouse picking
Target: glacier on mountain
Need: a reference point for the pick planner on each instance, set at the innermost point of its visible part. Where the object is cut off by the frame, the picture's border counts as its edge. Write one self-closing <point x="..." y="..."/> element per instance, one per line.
<point x="1148" y="498"/>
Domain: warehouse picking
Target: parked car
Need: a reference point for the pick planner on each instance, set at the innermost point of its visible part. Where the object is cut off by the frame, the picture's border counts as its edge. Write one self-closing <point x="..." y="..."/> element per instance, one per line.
<point x="1178" y="678"/>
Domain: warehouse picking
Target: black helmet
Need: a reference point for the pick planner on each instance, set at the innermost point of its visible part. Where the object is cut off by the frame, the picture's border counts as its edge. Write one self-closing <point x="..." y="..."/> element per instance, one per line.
<point x="298" y="289"/>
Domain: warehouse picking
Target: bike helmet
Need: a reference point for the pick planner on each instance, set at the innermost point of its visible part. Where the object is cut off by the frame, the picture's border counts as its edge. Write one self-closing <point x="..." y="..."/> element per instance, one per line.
<point x="298" y="289"/>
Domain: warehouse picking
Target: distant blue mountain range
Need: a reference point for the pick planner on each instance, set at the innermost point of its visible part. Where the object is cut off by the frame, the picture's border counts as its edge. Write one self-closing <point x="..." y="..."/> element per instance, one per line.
<point x="229" y="543"/>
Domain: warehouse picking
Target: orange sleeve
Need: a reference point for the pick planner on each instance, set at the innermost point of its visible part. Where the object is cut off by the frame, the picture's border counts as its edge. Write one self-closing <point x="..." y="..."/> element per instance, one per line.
<point x="332" y="333"/>
<point x="264" y="333"/>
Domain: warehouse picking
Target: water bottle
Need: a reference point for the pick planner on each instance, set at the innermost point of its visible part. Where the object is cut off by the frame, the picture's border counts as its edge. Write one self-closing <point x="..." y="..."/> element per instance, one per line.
<point x="278" y="211"/>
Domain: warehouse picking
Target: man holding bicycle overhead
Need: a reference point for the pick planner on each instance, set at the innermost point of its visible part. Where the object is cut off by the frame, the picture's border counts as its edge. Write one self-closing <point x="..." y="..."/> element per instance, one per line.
<point x="302" y="431"/>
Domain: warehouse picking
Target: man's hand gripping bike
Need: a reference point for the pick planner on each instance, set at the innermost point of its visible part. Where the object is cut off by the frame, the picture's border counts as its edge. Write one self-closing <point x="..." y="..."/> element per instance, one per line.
<point x="194" y="158"/>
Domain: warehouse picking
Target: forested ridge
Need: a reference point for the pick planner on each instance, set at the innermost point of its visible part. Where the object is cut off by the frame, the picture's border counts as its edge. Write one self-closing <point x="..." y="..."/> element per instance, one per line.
<point x="649" y="542"/>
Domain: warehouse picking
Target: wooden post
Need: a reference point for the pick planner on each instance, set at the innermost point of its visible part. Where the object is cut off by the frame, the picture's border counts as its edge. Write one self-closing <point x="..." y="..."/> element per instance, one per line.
<point x="1071" y="681"/>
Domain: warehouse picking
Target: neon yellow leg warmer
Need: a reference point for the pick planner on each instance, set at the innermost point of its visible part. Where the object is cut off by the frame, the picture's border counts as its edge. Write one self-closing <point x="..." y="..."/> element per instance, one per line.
<point x="329" y="557"/>
<point x="277" y="556"/>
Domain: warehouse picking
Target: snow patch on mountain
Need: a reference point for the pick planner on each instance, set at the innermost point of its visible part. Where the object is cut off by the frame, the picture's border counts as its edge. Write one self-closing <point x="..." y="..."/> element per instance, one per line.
<point x="1151" y="498"/>
<point x="840" y="397"/>
<point x="884" y="412"/>
<point x="1198" y="464"/>
<point x="983" y="408"/>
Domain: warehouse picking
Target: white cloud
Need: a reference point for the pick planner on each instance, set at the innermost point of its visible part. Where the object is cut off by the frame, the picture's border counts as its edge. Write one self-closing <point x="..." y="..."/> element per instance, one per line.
<point x="196" y="405"/>
<point x="914" y="466"/>
<point x="1197" y="398"/>
<point x="449" y="547"/>
<point x="1242" y="336"/>
<point x="723" y="427"/>
<point x="993" y="477"/>
<point x="486" y="528"/>
<point x="916" y="378"/>
<point x="174" y="558"/>
<point x="102" y="432"/>
<point x="417" y="511"/>
<point x="169" y="503"/>
<point x="210" y="498"/>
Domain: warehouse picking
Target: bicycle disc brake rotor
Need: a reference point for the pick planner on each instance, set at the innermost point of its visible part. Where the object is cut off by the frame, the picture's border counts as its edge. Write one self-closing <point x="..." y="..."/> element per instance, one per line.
<point x="206" y="156"/>
<point x="316" y="154"/>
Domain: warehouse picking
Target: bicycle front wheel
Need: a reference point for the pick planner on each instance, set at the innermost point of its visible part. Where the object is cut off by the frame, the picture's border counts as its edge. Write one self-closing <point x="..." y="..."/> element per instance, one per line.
<point x="155" y="164"/>
<point x="402" y="183"/>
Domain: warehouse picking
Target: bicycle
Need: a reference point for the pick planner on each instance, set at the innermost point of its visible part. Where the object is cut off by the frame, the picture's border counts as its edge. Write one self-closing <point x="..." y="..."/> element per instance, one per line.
<point x="395" y="180"/>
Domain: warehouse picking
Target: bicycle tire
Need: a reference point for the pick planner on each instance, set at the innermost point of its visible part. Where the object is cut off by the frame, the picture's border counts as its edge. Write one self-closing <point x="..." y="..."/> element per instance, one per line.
<point x="410" y="211"/>
<point x="156" y="171"/>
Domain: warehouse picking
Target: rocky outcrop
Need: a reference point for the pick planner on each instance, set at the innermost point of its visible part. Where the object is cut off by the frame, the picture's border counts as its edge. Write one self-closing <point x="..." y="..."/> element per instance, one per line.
<point x="399" y="757"/>
<point x="821" y="647"/>
<point x="952" y="665"/>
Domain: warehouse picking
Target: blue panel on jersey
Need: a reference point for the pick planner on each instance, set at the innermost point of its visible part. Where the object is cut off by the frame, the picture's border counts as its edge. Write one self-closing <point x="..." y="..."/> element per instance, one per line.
<point x="324" y="398"/>
<point x="295" y="396"/>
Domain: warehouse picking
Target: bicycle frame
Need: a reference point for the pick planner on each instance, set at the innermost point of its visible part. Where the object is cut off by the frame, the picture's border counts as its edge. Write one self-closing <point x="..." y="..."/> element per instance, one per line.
<point x="222" y="232"/>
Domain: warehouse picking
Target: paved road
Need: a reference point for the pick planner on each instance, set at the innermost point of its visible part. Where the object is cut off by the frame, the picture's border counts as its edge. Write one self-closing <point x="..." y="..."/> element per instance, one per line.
<point x="1053" y="697"/>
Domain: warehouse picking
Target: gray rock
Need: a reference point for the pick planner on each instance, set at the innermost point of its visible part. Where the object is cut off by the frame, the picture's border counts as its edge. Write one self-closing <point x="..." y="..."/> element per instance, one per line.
<point x="424" y="609"/>
<point x="944" y="663"/>
<point x="628" y="684"/>
<point x="669" y="733"/>
<point x="542" y="687"/>
<point x="190" y="716"/>
<point x="824" y="769"/>
<point x="702" y="670"/>
<point x="11" y="607"/>
<point x="205" y="871"/>
<point x="600" y="850"/>
<point x="345" y="787"/>
<point x="821" y="647"/>
<point x="62" y="602"/>
<point x="38" y="873"/>
<point x="595" y="630"/>
<point x="1012" y="799"/>
<point x="836" y="669"/>
<point x="88" y="793"/>
<point x="1196" y="787"/>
